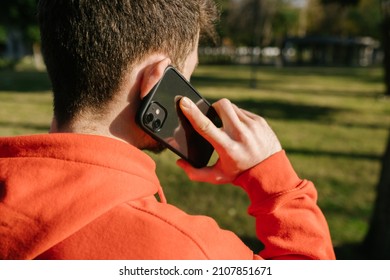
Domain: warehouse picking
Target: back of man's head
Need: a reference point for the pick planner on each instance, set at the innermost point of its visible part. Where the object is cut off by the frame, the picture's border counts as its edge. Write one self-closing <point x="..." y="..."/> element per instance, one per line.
<point x="89" y="45"/>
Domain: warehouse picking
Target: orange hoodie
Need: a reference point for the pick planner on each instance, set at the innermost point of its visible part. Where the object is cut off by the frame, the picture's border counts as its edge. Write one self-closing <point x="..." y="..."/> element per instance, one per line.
<point x="69" y="196"/>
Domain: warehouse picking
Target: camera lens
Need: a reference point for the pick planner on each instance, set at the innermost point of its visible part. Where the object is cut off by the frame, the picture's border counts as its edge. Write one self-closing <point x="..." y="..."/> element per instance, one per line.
<point x="156" y="124"/>
<point x="149" y="118"/>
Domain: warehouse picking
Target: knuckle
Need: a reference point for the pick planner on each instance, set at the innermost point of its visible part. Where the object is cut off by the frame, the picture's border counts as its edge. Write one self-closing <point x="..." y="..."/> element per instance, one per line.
<point x="223" y="102"/>
<point x="234" y="148"/>
<point x="241" y="134"/>
<point x="254" y="125"/>
<point x="205" y="125"/>
<point x="257" y="123"/>
<point x="258" y="119"/>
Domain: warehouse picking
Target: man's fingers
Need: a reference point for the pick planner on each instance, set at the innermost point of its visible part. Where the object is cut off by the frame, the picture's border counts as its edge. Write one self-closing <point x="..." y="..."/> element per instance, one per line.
<point x="202" y="124"/>
<point x="244" y="140"/>
<point x="227" y="113"/>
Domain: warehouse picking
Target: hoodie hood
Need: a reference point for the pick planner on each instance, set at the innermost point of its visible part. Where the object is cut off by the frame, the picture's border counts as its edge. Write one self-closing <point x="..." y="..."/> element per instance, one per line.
<point x="53" y="185"/>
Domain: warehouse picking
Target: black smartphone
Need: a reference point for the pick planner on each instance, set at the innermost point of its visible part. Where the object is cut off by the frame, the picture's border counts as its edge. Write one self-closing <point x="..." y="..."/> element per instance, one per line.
<point x="160" y="116"/>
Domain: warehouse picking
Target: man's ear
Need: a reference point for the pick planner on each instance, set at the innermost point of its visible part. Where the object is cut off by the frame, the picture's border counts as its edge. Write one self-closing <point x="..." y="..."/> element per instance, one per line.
<point x="152" y="75"/>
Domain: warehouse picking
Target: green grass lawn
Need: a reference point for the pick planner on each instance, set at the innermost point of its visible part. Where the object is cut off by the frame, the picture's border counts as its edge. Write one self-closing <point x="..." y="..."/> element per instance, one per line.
<point x="333" y="123"/>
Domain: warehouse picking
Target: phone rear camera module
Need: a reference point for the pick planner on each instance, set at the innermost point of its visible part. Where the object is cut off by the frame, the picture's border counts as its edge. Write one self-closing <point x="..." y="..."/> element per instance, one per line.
<point x="156" y="124"/>
<point x="148" y="118"/>
<point x="155" y="116"/>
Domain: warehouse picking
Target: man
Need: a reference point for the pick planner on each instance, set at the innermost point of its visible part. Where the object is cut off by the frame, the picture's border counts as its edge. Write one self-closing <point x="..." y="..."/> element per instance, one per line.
<point x="86" y="190"/>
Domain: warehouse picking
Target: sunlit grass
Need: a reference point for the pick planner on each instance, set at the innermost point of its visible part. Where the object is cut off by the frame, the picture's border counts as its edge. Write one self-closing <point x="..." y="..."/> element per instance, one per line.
<point x="333" y="123"/>
<point x="25" y="100"/>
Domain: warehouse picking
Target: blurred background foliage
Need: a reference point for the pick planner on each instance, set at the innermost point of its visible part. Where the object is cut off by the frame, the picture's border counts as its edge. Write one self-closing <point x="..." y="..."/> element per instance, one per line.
<point x="272" y="20"/>
<point x="243" y="22"/>
<point x="329" y="110"/>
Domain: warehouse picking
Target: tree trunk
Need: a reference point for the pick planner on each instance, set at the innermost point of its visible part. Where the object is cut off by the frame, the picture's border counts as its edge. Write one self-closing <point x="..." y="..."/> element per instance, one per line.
<point x="386" y="48"/>
<point x="377" y="242"/>
<point x="37" y="54"/>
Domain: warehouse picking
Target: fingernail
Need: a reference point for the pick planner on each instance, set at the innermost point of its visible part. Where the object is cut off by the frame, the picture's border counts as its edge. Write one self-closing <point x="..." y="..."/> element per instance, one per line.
<point x="185" y="103"/>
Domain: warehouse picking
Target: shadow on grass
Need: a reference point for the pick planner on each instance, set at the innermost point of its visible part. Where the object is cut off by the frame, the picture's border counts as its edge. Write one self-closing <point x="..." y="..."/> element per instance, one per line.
<point x="287" y="111"/>
<point x="277" y="81"/>
<point x="24" y="81"/>
<point x="281" y="110"/>
<point x="350" y="251"/>
<point x="369" y="75"/>
<point x="356" y="93"/>
<point x="201" y="80"/>
<point x="338" y="154"/>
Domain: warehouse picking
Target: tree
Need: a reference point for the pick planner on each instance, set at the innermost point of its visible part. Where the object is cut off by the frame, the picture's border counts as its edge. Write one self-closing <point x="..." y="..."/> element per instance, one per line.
<point x="354" y="18"/>
<point x="385" y="4"/>
<point x="19" y="16"/>
<point x="222" y="28"/>
<point x="331" y="17"/>
<point x="377" y="241"/>
<point x="261" y="22"/>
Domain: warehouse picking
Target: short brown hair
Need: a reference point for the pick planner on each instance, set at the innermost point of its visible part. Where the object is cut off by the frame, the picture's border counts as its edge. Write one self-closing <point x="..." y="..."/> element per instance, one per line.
<point x="88" y="45"/>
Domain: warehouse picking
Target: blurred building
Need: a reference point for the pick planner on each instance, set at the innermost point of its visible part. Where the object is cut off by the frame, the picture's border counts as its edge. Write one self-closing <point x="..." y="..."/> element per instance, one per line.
<point x="301" y="51"/>
<point x="331" y="51"/>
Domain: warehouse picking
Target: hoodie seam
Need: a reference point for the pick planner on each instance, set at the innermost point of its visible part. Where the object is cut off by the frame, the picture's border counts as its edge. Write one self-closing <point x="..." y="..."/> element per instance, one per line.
<point x="172" y="225"/>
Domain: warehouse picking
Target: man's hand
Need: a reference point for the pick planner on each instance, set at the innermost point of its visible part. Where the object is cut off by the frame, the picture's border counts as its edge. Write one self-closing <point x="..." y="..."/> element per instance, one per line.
<point x="244" y="140"/>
